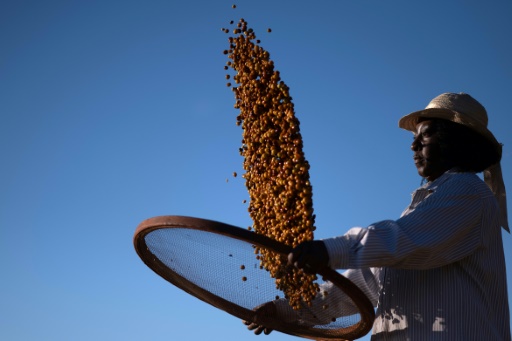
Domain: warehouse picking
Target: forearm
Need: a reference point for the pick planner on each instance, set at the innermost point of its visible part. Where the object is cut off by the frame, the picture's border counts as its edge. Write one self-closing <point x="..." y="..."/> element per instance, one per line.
<point x="331" y="302"/>
<point x="398" y="244"/>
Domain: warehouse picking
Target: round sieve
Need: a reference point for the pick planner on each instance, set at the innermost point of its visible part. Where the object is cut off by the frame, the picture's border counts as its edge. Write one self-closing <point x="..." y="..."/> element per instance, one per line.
<point x="216" y="263"/>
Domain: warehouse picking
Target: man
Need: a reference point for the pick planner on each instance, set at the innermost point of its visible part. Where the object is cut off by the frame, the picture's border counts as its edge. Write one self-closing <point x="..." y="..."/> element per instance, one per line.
<point x="438" y="272"/>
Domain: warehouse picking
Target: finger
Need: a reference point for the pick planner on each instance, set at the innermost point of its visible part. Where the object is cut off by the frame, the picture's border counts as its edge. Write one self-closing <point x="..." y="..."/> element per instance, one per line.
<point x="301" y="260"/>
<point x="267" y="331"/>
<point x="258" y="330"/>
<point x="252" y="326"/>
<point x="308" y="269"/>
<point x="295" y="254"/>
<point x="292" y="257"/>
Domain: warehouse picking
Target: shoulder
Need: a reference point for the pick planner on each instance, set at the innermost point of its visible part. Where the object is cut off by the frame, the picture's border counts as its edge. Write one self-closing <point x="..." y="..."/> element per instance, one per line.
<point x="468" y="183"/>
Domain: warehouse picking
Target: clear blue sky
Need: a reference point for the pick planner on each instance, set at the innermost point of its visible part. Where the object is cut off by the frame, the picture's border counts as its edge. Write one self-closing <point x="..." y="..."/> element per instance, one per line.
<point x="116" y="111"/>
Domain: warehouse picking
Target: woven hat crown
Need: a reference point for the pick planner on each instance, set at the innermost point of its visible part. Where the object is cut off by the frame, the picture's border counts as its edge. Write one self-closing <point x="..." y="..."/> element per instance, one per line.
<point x="464" y="105"/>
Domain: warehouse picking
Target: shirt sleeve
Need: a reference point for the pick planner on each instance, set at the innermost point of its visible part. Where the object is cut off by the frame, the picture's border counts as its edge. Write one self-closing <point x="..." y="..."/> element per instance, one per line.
<point x="331" y="302"/>
<point x="443" y="228"/>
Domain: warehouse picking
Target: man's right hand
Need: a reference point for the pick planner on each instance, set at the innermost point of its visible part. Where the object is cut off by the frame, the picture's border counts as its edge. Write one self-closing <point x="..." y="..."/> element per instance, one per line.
<point x="310" y="256"/>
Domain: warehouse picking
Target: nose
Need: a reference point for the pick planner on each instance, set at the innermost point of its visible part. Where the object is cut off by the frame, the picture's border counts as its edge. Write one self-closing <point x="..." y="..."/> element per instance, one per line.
<point x="416" y="145"/>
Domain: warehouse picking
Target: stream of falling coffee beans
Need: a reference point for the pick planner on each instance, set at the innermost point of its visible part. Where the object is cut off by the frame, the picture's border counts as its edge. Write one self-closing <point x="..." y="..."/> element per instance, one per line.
<point x="276" y="171"/>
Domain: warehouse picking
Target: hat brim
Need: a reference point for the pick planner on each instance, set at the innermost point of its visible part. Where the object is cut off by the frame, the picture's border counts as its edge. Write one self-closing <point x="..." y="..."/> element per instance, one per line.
<point x="409" y="122"/>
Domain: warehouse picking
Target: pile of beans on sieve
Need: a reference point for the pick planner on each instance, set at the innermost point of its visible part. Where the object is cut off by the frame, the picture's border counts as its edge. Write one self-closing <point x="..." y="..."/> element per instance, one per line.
<point x="277" y="173"/>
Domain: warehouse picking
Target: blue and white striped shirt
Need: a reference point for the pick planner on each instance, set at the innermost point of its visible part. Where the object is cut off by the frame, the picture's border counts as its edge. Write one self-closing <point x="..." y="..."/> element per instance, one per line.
<point x="436" y="273"/>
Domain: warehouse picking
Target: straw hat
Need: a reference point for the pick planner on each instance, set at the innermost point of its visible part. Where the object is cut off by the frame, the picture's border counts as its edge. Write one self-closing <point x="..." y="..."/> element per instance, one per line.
<point x="463" y="109"/>
<point x="459" y="108"/>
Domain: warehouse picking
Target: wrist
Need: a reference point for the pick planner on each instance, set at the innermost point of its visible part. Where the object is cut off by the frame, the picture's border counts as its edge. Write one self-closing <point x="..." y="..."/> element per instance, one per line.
<point x="337" y="250"/>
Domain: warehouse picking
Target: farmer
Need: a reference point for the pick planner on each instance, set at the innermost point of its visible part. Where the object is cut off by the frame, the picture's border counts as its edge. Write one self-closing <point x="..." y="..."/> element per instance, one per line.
<point x="438" y="272"/>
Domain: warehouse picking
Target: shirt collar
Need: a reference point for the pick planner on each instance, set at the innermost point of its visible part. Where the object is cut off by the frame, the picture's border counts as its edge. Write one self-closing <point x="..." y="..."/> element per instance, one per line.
<point x="432" y="185"/>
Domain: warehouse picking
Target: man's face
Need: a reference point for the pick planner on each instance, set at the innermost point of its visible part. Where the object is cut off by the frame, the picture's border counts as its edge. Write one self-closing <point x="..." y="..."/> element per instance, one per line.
<point x="427" y="153"/>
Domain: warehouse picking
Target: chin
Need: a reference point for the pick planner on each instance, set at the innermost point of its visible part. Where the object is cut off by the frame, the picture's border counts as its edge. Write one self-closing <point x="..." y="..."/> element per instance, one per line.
<point x="421" y="173"/>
